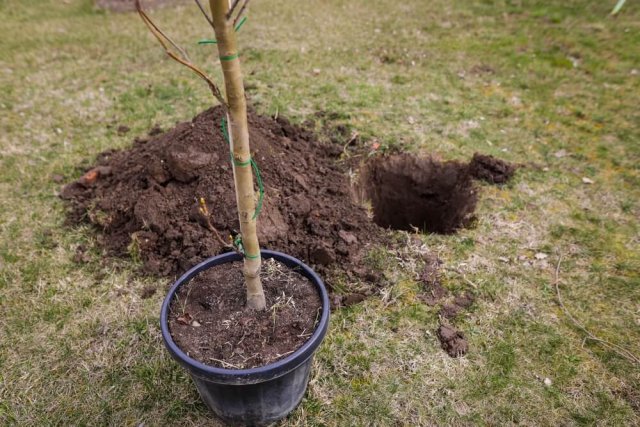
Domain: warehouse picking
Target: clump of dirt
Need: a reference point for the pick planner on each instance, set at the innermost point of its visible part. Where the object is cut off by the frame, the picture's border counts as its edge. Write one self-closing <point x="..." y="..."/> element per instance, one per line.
<point x="433" y="293"/>
<point x="129" y="5"/>
<point x="144" y="200"/>
<point x="409" y="192"/>
<point x="491" y="169"/>
<point x="209" y="320"/>
<point x="148" y="291"/>
<point x="452" y="341"/>
<point x="460" y="303"/>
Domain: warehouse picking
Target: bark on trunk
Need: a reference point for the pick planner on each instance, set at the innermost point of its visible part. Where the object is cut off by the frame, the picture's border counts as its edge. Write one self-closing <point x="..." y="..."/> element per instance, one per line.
<point x="239" y="137"/>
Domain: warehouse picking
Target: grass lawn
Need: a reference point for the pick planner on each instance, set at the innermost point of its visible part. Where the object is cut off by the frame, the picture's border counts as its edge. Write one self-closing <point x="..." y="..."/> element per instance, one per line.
<point x="554" y="85"/>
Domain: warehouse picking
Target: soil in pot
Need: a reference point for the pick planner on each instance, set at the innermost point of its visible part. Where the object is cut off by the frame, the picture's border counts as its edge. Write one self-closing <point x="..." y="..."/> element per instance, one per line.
<point x="209" y="321"/>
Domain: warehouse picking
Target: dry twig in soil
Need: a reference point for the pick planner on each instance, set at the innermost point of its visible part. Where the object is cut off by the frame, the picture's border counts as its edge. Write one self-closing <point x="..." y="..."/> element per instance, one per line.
<point x="181" y="56"/>
<point x="204" y="211"/>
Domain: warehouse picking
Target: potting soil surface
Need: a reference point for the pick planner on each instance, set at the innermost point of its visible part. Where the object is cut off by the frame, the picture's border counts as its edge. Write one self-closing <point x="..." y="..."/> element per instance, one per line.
<point x="210" y="323"/>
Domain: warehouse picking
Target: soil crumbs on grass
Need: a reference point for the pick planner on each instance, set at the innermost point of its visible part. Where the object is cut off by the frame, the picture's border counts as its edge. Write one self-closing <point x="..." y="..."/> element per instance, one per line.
<point x="452" y="341"/>
<point x="144" y="200"/>
<point x="209" y="321"/>
<point x="451" y="306"/>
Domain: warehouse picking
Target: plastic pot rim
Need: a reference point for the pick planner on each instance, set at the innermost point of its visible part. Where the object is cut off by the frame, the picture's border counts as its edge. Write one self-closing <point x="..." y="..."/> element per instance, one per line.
<point x="260" y="373"/>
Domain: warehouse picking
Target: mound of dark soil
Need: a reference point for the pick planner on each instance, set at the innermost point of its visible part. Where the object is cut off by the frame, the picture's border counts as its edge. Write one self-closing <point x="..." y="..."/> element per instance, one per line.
<point x="209" y="320"/>
<point x="144" y="200"/>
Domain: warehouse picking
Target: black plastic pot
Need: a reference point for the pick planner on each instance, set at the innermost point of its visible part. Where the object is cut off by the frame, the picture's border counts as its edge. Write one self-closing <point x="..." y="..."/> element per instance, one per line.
<point x="257" y="396"/>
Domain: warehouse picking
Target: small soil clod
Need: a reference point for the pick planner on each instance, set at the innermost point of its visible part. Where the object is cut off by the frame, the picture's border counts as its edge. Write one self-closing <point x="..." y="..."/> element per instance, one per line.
<point x="452" y="341"/>
<point x="148" y="291"/>
<point x="465" y="300"/>
<point x="449" y="311"/>
<point x="491" y="169"/>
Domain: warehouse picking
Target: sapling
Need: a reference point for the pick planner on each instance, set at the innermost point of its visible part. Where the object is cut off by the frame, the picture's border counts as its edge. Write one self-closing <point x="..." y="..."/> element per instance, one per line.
<point x="224" y="19"/>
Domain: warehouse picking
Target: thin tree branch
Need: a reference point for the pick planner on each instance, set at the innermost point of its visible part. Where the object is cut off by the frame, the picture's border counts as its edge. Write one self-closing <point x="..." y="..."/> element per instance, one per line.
<point x="242" y="9"/>
<point x="165" y="41"/>
<point x="217" y="235"/>
<point x="232" y="8"/>
<point x="204" y="211"/>
<point x="619" y="350"/>
<point x="155" y="27"/>
<point x="204" y="12"/>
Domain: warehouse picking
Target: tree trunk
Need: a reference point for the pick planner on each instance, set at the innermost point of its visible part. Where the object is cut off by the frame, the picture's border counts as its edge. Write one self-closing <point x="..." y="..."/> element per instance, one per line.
<point x="239" y="138"/>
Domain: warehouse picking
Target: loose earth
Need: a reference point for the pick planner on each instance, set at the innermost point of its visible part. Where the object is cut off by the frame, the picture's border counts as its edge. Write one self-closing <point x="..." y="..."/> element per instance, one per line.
<point x="145" y="200"/>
